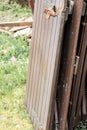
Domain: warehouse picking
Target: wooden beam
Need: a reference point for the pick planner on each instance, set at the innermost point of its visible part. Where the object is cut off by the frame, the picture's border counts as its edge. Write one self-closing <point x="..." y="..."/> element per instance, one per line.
<point x="10" y="24"/>
<point x="5" y="31"/>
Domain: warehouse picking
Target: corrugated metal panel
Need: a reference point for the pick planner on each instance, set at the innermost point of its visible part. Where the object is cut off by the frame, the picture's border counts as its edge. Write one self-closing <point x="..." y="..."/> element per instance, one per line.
<point x="43" y="63"/>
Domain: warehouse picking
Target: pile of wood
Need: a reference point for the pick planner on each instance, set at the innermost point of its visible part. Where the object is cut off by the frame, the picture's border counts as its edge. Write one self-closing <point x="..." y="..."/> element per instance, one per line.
<point x="56" y="93"/>
<point x="21" y="27"/>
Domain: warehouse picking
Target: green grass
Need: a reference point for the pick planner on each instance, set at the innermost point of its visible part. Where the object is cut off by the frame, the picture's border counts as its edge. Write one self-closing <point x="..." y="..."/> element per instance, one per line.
<point x="13" y="11"/>
<point x="14" y="54"/>
<point x="13" y="72"/>
<point x="82" y="126"/>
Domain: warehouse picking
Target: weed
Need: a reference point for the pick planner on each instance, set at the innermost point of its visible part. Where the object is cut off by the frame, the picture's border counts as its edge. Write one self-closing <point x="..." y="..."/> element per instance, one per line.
<point x="13" y="72"/>
<point x="82" y="126"/>
<point x="13" y="11"/>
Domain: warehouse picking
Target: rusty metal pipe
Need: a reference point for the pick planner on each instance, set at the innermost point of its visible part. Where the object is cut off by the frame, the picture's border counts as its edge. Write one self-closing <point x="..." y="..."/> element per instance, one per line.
<point x="71" y="46"/>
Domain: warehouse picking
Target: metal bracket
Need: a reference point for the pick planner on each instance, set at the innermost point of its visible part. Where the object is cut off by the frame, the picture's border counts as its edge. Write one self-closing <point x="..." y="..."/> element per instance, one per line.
<point x="56" y="117"/>
<point x="69" y="9"/>
<point x="53" y="10"/>
<point x="76" y="65"/>
<point x="84" y="8"/>
<point x="70" y="6"/>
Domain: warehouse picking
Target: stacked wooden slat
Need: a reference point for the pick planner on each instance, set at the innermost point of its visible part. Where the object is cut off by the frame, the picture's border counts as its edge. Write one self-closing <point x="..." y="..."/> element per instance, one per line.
<point x="56" y="94"/>
<point x="20" y="27"/>
<point x="78" y="85"/>
<point x="72" y="86"/>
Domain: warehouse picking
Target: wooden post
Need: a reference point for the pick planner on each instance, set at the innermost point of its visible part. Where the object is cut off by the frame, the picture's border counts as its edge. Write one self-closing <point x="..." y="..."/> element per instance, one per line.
<point x="31" y="5"/>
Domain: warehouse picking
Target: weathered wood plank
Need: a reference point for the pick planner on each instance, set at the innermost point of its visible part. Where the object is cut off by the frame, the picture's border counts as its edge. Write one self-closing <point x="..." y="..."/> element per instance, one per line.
<point x="27" y="99"/>
<point x="21" y="23"/>
<point x="44" y="62"/>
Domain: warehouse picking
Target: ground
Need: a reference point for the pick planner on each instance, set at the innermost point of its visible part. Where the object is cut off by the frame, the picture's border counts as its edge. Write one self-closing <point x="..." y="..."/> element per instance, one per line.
<point x="14" y="54"/>
<point x="11" y="12"/>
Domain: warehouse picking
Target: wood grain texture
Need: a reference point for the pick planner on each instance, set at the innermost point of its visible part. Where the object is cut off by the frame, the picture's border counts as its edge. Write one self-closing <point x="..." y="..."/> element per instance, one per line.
<point x="43" y="64"/>
<point x="15" y="23"/>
